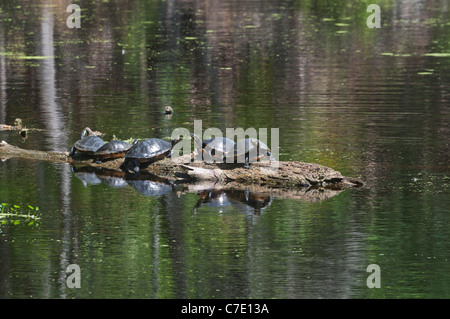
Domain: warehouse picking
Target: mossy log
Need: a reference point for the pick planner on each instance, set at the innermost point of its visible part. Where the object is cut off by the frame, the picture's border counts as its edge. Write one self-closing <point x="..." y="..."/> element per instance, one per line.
<point x="289" y="175"/>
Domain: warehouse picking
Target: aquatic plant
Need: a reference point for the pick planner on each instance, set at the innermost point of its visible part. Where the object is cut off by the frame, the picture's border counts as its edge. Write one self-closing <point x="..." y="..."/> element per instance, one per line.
<point x="14" y="214"/>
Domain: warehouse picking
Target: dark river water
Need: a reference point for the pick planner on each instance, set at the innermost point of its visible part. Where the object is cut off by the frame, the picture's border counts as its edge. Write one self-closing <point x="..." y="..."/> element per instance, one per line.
<point x="368" y="102"/>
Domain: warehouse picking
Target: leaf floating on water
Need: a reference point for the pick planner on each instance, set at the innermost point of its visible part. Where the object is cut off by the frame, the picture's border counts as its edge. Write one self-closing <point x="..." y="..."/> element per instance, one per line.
<point x="396" y="54"/>
<point x="39" y="57"/>
<point x="438" y="55"/>
<point x="276" y="16"/>
<point x="424" y="73"/>
<point x="18" y="55"/>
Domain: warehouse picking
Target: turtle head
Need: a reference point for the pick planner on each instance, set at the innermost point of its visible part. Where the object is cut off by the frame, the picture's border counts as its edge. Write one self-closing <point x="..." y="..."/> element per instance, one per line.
<point x="176" y="140"/>
<point x="83" y="133"/>
<point x="265" y="151"/>
<point x="254" y="142"/>
<point x="197" y="140"/>
<point x="18" y="122"/>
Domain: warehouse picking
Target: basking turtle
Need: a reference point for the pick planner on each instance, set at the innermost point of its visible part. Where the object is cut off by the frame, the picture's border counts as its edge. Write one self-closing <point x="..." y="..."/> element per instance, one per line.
<point x="146" y="152"/>
<point x="87" y="145"/>
<point x="251" y="150"/>
<point x="215" y="148"/>
<point x="112" y="149"/>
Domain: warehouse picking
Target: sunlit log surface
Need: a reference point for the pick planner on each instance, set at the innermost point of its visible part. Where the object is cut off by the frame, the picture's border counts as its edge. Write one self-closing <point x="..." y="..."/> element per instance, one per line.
<point x="278" y="174"/>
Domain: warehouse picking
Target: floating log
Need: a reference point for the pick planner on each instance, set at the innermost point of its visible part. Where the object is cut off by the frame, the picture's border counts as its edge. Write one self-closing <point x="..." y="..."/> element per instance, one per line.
<point x="7" y="151"/>
<point x="18" y="126"/>
<point x="289" y="175"/>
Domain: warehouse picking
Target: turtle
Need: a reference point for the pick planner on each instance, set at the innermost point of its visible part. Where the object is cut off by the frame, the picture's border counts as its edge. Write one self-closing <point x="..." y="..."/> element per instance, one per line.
<point x="214" y="149"/>
<point x="87" y="145"/>
<point x="168" y="110"/>
<point x="112" y="149"/>
<point x="250" y="150"/>
<point x="146" y="152"/>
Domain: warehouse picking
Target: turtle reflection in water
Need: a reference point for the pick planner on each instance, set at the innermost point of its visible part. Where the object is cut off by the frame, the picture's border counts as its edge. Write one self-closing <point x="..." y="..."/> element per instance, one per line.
<point x="150" y="187"/>
<point x="95" y="176"/>
<point x="227" y="200"/>
<point x="112" y="178"/>
<point x="86" y="176"/>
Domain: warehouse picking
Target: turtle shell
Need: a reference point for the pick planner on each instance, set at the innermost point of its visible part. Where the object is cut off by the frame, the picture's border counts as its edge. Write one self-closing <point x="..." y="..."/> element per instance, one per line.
<point x="89" y="144"/>
<point x="253" y="148"/>
<point x="217" y="147"/>
<point x="151" y="149"/>
<point x="113" y="149"/>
